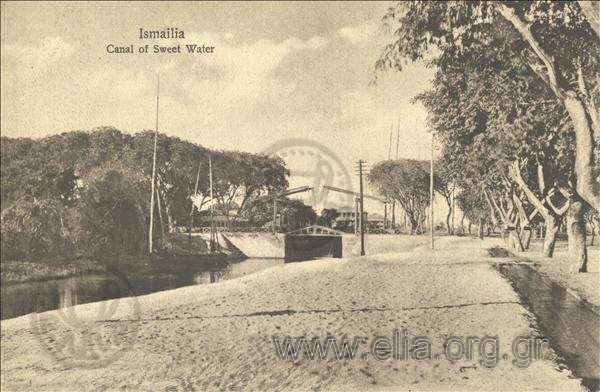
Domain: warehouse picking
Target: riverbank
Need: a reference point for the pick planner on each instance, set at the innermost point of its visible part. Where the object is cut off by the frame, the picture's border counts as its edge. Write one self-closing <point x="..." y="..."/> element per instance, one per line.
<point x="177" y="258"/>
<point x="220" y="337"/>
<point x="13" y="272"/>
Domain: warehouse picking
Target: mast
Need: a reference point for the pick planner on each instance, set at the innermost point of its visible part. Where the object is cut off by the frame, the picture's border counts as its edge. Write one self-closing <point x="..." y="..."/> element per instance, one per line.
<point x="212" y="204"/>
<point x="390" y="146"/>
<point x="192" y="211"/>
<point x="150" y="247"/>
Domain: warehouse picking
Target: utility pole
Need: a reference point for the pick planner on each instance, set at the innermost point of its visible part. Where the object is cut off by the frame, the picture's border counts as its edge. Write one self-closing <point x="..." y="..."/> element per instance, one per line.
<point x="362" y="223"/>
<point x="394" y="201"/>
<point x="431" y="190"/>
<point x="150" y="229"/>
<point x="385" y="226"/>
<point x="356" y="214"/>
<point x="452" y="232"/>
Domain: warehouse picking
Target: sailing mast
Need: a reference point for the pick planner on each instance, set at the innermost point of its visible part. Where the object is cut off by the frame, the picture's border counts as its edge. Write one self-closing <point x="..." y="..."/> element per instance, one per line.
<point x="212" y="204"/>
<point x="390" y="147"/>
<point x="193" y="206"/>
<point x="150" y="247"/>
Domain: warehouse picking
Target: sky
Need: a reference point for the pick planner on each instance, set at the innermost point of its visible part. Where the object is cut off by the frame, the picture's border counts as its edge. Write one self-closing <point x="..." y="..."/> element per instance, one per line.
<point x="278" y="71"/>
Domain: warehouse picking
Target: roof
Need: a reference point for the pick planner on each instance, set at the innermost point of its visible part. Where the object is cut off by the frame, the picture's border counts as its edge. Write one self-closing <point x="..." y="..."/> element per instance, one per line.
<point x="316" y="230"/>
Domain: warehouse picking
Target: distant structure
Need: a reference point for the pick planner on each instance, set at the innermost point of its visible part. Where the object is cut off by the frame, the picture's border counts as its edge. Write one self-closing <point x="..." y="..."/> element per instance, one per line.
<point x="376" y="220"/>
<point x="349" y="215"/>
<point x="220" y="220"/>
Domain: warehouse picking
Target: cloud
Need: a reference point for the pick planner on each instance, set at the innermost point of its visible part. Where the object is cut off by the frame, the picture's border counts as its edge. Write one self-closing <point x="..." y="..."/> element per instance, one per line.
<point x="49" y="52"/>
<point x="355" y="104"/>
<point x="361" y="34"/>
<point x="244" y="71"/>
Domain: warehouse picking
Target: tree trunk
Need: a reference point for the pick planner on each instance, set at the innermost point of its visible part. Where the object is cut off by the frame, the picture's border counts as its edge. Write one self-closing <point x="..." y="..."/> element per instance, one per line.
<point x="514" y="241"/>
<point x="479" y="228"/>
<point x="576" y="233"/>
<point x="588" y="187"/>
<point x="585" y="129"/>
<point x="469" y="228"/>
<point x="550" y="239"/>
<point x="526" y="237"/>
<point x="413" y="226"/>
<point x="449" y="228"/>
<point x="592" y="14"/>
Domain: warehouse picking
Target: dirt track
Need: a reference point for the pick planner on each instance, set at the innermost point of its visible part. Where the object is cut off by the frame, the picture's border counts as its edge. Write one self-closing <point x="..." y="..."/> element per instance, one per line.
<point x="219" y="337"/>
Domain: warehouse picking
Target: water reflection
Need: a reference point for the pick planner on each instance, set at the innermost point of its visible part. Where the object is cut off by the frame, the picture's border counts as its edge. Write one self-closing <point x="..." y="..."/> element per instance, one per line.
<point x="24" y="298"/>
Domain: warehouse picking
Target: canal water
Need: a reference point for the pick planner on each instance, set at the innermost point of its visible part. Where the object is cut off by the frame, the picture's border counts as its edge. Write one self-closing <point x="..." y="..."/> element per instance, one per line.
<point x="23" y="298"/>
<point x="571" y="325"/>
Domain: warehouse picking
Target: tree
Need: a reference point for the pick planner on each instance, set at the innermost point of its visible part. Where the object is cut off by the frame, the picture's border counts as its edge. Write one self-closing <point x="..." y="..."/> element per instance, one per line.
<point x="90" y="191"/>
<point x="113" y="211"/>
<point x="445" y="184"/>
<point x="554" y="40"/>
<point x="33" y="227"/>
<point x="407" y="182"/>
<point x="239" y="177"/>
<point x="298" y="214"/>
<point x="327" y="217"/>
<point x="488" y="82"/>
<point x="475" y="209"/>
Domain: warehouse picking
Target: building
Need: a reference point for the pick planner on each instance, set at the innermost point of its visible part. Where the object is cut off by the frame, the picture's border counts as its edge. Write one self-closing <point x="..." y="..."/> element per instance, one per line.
<point x="376" y="220"/>
<point x="221" y="220"/>
<point x="348" y="214"/>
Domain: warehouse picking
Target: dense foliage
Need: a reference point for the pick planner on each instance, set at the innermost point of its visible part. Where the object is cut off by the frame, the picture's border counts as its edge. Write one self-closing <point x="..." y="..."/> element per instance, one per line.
<point x="407" y="182"/>
<point x="513" y="104"/>
<point x="89" y="192"/>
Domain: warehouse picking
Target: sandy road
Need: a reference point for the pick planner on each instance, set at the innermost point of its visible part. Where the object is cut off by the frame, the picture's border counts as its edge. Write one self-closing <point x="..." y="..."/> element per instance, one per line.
<point x="220" y="337"/>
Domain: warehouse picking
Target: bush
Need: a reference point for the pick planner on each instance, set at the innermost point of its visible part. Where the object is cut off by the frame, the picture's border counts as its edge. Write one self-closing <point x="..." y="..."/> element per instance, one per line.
<point x="31" y="227"/>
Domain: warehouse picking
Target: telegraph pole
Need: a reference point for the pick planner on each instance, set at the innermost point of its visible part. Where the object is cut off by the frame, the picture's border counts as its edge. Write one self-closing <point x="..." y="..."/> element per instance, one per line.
<point x="362" y="221"/>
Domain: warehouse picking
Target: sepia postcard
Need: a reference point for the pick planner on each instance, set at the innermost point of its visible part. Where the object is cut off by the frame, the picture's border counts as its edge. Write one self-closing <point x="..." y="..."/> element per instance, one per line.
<point x="300" y="196"/>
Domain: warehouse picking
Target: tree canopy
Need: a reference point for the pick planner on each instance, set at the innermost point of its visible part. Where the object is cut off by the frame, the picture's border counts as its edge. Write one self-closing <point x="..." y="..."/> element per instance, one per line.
<point x="92" y="189"/>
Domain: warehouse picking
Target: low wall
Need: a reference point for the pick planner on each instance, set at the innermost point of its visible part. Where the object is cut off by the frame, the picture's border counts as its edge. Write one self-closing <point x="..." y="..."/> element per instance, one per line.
<point x="260" y="245"/>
